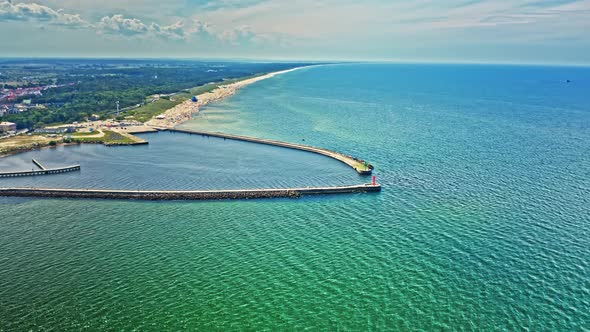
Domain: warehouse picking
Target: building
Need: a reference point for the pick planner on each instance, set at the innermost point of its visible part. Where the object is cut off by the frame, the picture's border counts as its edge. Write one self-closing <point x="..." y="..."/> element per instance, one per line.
<point x="12" y="109"/>
<point x="21" y="108"/>
<point x="69" y="128"/>
<point x="56" y="130"/>
<point x="49" y="131"/>
<point x="7" y="126"/>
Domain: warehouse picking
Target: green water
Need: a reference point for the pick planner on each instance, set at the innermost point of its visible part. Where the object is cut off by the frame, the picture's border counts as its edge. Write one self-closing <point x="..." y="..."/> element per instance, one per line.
<point x="483" y="223"/>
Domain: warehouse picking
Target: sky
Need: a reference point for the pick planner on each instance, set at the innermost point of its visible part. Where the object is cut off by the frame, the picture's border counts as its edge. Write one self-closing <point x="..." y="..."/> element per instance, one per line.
<point x="506" y="31"/>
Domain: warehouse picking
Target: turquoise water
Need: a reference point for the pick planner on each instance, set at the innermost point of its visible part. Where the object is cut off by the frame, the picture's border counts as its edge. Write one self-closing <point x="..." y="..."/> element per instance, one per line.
<point x="483" y="222"/>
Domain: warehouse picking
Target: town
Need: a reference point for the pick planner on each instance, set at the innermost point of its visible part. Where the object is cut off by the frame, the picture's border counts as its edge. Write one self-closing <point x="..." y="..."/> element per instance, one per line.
<point x="9" y="98"/>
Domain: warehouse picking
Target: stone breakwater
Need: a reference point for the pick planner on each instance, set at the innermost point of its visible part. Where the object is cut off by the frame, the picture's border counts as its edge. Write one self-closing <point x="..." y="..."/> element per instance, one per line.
<point x="359" y="165"/>
<point x="186" y="195"/>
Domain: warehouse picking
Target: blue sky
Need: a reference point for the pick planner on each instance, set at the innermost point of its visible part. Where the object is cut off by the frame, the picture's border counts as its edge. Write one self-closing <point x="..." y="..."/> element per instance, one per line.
<point x="533" y="31"/>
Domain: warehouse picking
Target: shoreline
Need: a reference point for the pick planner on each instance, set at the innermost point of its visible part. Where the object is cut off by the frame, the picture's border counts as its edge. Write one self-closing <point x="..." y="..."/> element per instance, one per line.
<point x="35" y="148"/>
<point x="174" y="116"/>
<point x="184" y="111"/>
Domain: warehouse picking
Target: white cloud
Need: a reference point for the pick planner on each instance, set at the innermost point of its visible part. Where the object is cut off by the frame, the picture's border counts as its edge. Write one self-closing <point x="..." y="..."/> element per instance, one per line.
<point x="34" y="12"/>
<point x="173" y="31"/>
<point x="118" y="24"/>
<point x="325" y="27"/>
<point x="200" y="28"/>
<point x="133" y="27"/>
<point x="311" y="19"/>
<point x="237" y="34"/>
<point x="129" y="27"/>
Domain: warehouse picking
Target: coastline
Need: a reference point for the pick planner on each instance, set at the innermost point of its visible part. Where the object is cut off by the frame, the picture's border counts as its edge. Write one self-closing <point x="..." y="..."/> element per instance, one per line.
<point x="184" y="111"/>
<point x="172" y="117"/>
<point x="33" y="148"/>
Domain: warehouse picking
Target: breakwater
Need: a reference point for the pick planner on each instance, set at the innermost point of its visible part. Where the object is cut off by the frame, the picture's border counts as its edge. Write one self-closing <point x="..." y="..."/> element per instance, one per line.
<point x="142" y="142"/>
<point x="186" y="195"/>
<point x="360" y="166"/>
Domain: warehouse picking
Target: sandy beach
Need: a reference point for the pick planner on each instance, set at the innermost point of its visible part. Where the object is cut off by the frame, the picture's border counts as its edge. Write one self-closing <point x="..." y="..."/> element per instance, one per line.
<point x="184" y="111"/>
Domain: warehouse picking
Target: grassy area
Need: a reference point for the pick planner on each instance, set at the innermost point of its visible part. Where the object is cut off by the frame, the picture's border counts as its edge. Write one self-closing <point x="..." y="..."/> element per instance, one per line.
<point x="203" y="88"/>
<point x="110" y="137"/>
<point x="23" y="143"/>
<point x="78" y="133"/>
<point x="146" y="112"/>
<point x="114" y="137"/>
<point x="214" y="85"/>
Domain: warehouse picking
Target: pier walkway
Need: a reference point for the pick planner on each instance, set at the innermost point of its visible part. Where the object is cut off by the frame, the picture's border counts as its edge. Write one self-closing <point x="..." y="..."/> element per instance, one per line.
<point x="43" y="171"/>
<point x="186" y="195"/>
<point x="39" y="165"/>
<point x="358" y="165"/>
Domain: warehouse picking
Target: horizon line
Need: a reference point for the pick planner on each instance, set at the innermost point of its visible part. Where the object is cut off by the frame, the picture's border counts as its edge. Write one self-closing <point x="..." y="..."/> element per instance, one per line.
<point x="320" y="61"/>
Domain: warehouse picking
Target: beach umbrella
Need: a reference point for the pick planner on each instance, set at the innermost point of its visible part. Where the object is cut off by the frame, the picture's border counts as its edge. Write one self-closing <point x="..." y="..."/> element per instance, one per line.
<point x="195" y="99"/>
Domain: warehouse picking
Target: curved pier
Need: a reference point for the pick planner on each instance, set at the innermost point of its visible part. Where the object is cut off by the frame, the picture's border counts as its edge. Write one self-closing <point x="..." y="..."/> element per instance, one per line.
<point x="360" y="166"/>
<point x="357" y="164"/>
<point x="185" y="195"/>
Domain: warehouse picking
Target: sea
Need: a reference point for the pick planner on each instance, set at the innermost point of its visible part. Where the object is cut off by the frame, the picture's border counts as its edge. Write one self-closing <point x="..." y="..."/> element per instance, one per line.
<point x="483" y="222"/>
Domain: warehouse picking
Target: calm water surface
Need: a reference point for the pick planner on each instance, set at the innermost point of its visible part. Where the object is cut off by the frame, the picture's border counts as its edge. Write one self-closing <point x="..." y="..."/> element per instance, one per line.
<point x="181" y="161"/>
<point x="483" y="223"/>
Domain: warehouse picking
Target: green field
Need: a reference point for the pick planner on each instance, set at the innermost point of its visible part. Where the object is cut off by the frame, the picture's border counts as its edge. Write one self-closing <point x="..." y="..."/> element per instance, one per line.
<point x="109" y="137"/>
<point x="146" y="112"/>
<point x="84" y="134"/>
